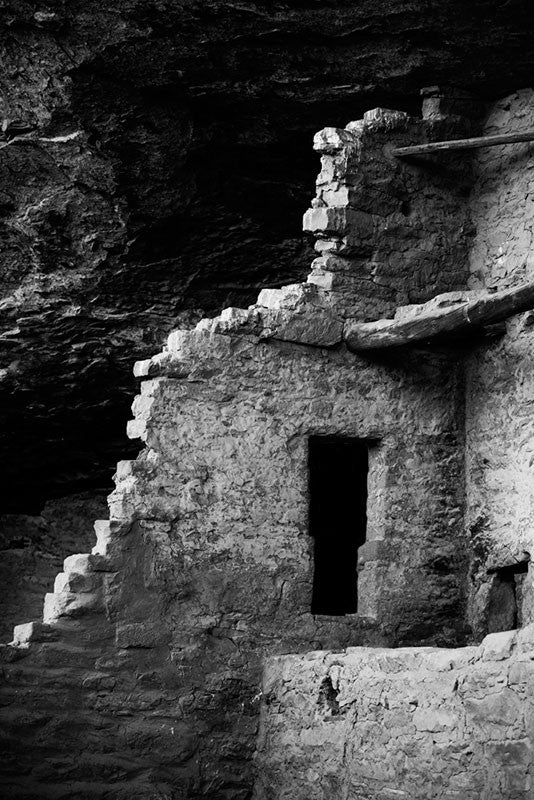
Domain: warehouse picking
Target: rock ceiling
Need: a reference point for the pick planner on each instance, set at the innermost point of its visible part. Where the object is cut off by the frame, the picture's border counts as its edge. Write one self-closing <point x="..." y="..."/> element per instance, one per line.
<point x="172" y="167"/>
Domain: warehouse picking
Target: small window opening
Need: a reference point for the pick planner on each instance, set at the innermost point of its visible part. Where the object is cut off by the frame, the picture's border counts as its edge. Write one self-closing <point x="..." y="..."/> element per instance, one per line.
<point x="504" y="602"/>
<point x="338" y="469"/>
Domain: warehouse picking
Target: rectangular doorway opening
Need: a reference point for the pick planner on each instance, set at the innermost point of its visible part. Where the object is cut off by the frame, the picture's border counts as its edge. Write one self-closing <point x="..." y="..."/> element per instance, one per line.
<point x="338" y="468"/>
<point x="505" y="597"/>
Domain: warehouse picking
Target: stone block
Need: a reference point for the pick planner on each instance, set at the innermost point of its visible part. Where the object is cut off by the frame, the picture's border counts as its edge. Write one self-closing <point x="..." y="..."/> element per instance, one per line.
<point x="136" y="429"/>
<point x="70" y="605"/>
<point x="318" y="328"/>
<point x="324" y="280"/>
<point x="498" y="646"/>
<point x="235" y="319"/>
<point x="510" y="753"/>
<point x="495" y="708"/>
<point x="291" y="297"/>
<point x="110" y="548"/>
<point x="331" y="140"/>
<point x="521" y="673"/>
<point x="205" y="325"/>
<point x="356" y="127"/>
<point x="71" y="582"/>
<point x="375" y="550"/>
<point x="125" y="469"/>
<point x="123" y="505"/>
<point x="82" y="563"/>
<point x="525" y="639"/>
<point x="79" y="563"/>
<point x="142" y="369"/>
<point x="141" y="634"/>
<point x="332" y="263"/>
<point x="178" y="341"/>
<point x="385" y="118"/>
<point x="35" y="631"/>
<point x="434" y="719"/>
<point x="142" y="405"/>
<point x="338" y="221"/>
<point x="111" y="527"/>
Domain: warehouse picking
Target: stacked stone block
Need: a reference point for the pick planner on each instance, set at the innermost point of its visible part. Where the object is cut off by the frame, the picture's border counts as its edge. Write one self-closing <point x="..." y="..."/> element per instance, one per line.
<point x="388" y="233"/>
<point x="414" y="723"/>
<point x="148" y="661"/>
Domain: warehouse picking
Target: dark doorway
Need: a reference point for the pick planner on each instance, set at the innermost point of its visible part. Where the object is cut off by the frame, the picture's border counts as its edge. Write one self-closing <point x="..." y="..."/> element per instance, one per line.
<point x="338" y="515"/>
<point x="504" y="607"/>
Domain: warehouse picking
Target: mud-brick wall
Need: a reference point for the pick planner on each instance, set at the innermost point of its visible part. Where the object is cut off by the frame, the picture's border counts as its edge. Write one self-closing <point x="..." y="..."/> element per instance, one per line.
<point x="404" y="724"/>
<point x="500" y="376"/>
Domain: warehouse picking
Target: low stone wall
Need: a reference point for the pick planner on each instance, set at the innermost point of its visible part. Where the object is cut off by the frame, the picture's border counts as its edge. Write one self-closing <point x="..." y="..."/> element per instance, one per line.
<point x="32" y="550"/>
<point x="383" y="724"/>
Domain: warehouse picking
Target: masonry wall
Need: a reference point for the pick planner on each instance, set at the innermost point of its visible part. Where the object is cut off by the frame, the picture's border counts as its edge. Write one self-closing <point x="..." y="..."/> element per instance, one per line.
<point x="500" y="374"/>
<point x="390" y="232"/>
<point x="209" y="565"/>
<point x="32" y="549"/>
<point x="225" y="474"/>
<point x="145" y="678"/>
<point x="414" y="723"/>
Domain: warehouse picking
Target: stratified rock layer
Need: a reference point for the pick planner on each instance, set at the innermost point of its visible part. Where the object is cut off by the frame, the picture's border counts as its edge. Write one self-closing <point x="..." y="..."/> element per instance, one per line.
<point x="170" y="173"/>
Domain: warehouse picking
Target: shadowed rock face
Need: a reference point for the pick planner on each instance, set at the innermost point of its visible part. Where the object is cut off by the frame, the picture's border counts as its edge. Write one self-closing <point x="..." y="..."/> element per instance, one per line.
<point x="182" y="180"/>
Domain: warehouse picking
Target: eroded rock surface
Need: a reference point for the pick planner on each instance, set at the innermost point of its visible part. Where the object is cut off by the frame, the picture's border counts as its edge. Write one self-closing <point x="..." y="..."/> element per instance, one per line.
<point x="174" y="177"/>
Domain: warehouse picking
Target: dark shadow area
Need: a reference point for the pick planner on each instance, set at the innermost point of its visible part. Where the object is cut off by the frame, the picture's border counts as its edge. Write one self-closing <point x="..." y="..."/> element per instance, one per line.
<point x="338" y="469"/>
<point x="185" y="192"/>
<point x="504" y="606"/>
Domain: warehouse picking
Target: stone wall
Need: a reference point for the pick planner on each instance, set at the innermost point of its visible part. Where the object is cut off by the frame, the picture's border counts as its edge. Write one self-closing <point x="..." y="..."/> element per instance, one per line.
<point x="500" y="376"/>
<point x="414" y="723"/>
<point x="32" y="549"/>
<point x="144" y="680"/>
<point x="206" y="565"/>
<point x="389" y="232"/>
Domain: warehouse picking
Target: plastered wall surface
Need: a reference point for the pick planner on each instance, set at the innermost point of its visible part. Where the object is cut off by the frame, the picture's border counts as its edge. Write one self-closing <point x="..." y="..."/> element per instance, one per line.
<point x="500" y="375"/>
<point x="414" y="723"/>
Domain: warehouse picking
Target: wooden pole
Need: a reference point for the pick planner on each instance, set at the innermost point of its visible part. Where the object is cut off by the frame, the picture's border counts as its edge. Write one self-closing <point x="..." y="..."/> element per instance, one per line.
<point x="427" y="325"/>
<point x="463" y="144"/>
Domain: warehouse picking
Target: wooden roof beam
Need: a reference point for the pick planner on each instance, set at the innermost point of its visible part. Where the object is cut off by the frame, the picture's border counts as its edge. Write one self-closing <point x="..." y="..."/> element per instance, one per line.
<point x="433" y="321"/>
<point x="463" y="144"/>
